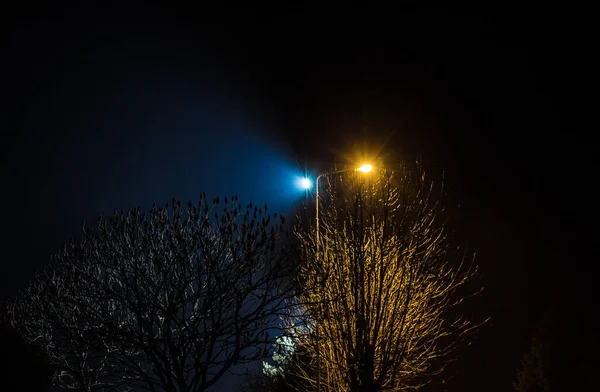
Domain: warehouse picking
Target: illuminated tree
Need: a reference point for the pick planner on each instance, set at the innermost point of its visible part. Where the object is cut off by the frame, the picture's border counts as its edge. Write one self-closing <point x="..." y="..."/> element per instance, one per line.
<point x="165" y="302"/>
<point x="287" y="370"/>
<point x="384" y="308"/>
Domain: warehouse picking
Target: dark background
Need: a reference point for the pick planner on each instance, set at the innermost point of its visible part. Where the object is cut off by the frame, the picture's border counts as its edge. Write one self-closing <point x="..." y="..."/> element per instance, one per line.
<point x="106" y="109"/>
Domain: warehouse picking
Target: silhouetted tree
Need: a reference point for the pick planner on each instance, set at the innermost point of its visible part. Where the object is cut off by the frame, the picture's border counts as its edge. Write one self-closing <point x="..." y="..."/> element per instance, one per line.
<point x="165" y="302"/>
<point x="384" y="309"/>
<point x="531" y="374"/>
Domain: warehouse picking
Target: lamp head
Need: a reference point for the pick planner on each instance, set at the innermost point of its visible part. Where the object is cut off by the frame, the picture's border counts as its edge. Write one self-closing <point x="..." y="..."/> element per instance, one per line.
<point x="365" y="168"/>
<point x="306" y="183"/>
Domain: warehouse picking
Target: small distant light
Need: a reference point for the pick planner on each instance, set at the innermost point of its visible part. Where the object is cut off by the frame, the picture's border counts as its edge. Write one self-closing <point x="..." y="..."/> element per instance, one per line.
<point x="306" y="183"/>
<point x="365" y="168"/>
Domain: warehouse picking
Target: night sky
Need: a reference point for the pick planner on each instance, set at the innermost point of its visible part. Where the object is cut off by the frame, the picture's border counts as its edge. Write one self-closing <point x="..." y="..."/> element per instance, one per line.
<point x="107" y="109"/>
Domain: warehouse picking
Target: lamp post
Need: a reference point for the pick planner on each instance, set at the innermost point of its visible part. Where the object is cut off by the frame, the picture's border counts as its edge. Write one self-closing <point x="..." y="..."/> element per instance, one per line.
<point x="366" y="168"/>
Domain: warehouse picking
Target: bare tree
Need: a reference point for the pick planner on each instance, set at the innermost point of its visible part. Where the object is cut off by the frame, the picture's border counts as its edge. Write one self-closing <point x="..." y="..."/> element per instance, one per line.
<point x="385" y="300"/>
<point x="169" y="301"/>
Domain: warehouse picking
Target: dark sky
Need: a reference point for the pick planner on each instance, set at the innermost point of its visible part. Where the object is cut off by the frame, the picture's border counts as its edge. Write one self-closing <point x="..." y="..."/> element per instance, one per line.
<point x="115" y="108"/>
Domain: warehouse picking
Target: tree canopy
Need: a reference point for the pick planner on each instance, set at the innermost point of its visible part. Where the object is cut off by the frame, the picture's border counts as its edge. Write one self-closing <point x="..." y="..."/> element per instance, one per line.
<point x="165" y="301"/>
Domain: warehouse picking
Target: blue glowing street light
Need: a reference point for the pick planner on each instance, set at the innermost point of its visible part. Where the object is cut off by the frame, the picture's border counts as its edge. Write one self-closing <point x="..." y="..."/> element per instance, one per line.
<point x="306" y="183"/>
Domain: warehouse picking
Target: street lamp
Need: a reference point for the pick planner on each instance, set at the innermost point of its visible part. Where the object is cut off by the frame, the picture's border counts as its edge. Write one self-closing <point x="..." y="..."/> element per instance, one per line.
<point x="366" y="168"/>
<point x="305" y="183"/>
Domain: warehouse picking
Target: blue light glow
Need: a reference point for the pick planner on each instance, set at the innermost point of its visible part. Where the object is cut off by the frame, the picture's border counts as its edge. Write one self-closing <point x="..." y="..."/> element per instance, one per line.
<point x="305" y="183"/>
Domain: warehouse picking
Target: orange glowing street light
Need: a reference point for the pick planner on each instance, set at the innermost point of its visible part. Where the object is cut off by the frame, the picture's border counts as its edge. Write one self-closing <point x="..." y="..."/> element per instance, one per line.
<point x="365" y="168"/>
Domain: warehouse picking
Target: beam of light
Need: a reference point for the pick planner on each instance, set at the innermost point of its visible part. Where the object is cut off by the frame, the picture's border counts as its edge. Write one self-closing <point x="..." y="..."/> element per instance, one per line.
<point x="365" y="168"/>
